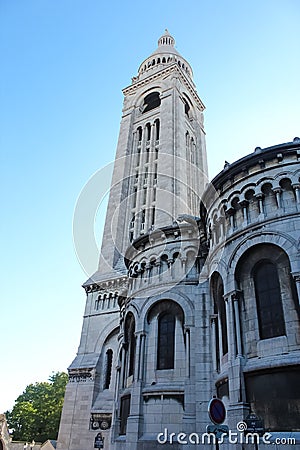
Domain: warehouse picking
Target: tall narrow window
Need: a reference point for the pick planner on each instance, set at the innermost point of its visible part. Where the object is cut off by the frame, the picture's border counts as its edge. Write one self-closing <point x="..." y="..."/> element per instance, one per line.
<point x="132" y="220"/>
<point x="134" y="197"/>
<point x="156" y="129"/>
<point x="140" y="133"/>
<point x="124" y="413"/>
<point x="268" y="300"/>
<point x="218" y="293"/>
<point x="143" y="218"/>
<point x="186" y="108"/>
<point x="131" y="353"/>
<point x="166" y="341"/>
<point x="108" y="367"/>
<point x="155" y="174"/>
<point x="138" y="157"/>
<point x="153" y="216"/>
<point x="144" y="195"/>
<point x="130" y="344"/>
<point x="147" y="155"/>
<point x="148" y="131"/>
<point x="223" y="320"/>
<point x="154" y="194"/>
<point x="146" y="175"/>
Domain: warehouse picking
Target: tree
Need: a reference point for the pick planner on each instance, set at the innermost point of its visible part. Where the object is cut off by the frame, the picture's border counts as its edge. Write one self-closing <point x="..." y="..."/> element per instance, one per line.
<point x="36" y="412"/>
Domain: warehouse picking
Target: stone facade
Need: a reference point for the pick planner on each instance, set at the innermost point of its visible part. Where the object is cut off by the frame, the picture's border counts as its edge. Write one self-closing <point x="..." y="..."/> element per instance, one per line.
<point x="198" y="285"/>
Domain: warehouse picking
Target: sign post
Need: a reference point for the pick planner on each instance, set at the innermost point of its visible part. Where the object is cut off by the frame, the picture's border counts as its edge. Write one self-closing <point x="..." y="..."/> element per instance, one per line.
<point x="99" y="441"/>
<point x="254" y="424"/>
<point x="217" y="414"/>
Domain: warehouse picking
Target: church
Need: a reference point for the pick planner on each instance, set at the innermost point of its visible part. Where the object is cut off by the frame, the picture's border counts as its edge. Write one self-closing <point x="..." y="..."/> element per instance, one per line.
<point x="197" y="291"/>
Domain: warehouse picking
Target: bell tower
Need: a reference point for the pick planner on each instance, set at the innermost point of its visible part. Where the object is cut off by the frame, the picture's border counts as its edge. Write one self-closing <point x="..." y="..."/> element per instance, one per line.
<point x="161" y="142"/>
<point x="160" y="171"/>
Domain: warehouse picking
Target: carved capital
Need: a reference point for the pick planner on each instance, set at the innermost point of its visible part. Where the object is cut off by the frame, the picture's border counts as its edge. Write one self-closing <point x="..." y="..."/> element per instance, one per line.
<point x="296" y="276"/>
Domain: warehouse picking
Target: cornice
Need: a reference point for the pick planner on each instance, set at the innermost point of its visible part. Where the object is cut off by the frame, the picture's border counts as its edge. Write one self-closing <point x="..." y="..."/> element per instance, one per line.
<point x="107" y="286"/>
<point x="172" y="68"/>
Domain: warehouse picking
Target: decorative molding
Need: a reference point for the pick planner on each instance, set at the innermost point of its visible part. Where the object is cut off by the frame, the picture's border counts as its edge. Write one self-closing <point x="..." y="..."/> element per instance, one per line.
<point x="81" y="375"/>
<point x="100" y="421"/>
<point x="114" y="286"/>
<point x="173" y="68"/>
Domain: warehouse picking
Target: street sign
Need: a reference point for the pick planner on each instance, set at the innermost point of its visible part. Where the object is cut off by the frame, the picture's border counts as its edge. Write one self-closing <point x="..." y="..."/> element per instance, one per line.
<point x="216" y="411"/>
<point x="98" y="441"/>
<point x="254" y="424"/>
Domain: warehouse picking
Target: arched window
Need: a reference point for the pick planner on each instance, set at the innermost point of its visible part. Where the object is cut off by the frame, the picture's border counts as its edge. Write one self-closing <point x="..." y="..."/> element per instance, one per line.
<point x="139" y="133"/>
<point x="130" y="344"/>
<point x="131" y="353"/>
<point x="268" y="300"/>
<point x="108" y="367"/>
<point x="151" y="101"/>
<point x="186" y="108"/>
<point x="166" y="341"/>
<point x="220" y="309"/>
<point x="148" y="131"/>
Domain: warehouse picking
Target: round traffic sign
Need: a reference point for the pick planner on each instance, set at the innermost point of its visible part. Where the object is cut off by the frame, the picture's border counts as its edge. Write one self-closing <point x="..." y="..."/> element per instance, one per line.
<point x="216" y="411"/>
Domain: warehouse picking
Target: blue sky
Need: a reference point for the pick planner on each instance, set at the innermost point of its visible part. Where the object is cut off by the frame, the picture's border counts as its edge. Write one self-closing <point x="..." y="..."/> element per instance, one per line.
<point x="64" y="64"/>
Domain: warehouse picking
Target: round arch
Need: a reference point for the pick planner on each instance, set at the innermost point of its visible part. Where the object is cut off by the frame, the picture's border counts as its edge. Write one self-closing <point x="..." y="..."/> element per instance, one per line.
<point x="182" y="300"/>
<point x="281" y="240"/>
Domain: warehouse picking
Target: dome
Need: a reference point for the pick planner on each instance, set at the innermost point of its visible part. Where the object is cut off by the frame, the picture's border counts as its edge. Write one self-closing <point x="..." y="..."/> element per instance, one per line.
<point x="165" y="54"/>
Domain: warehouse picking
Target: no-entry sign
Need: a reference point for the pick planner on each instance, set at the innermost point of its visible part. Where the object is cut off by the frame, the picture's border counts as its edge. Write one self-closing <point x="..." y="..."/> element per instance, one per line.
<point x="216" y="411"/>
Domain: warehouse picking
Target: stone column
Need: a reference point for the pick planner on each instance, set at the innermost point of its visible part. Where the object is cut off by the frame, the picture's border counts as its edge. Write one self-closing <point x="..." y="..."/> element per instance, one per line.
<point x="230" y="327"/>
<point x="123" y="360"/>
<point x="260" y="203"/>
<point x="213" y="320"/>
<point x="235" y="298"/>
<point x="187" y="352"/>
<point x="213" y="234"/>
<point x="296" y="187"/>
<point x="277" y="192"/>
<point x="221" y="223"/>
<point x="150" y="177"/>
<point x="296" y="276"/>
<point x="183" y="265"/>
<point x="142" y="356"/>
<point x="244" y="205"/>
<point x="230" y="213"/>
<point x="220" y="337"/>
<point x="137" y="356"/>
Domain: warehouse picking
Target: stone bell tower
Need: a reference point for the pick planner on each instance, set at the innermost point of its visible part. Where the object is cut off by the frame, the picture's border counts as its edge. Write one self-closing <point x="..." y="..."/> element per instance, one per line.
<point x="160" y="171"/>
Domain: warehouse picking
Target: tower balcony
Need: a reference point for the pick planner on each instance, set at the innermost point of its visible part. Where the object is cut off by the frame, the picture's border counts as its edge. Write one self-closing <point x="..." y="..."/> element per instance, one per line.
<point x="166" y="256"/>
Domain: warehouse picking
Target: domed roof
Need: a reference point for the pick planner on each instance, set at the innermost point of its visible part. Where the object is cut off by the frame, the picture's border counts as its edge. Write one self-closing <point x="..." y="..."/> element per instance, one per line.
<point x="166" y="44"/>
<point x="165" y="53"/>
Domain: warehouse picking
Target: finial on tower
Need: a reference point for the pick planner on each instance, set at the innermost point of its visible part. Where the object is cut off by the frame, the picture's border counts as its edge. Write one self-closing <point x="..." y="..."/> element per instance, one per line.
<point x="166" y="39"/>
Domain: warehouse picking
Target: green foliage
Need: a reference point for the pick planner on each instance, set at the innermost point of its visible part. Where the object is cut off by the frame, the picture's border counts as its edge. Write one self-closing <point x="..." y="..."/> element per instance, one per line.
<point x="36" y="413"/>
